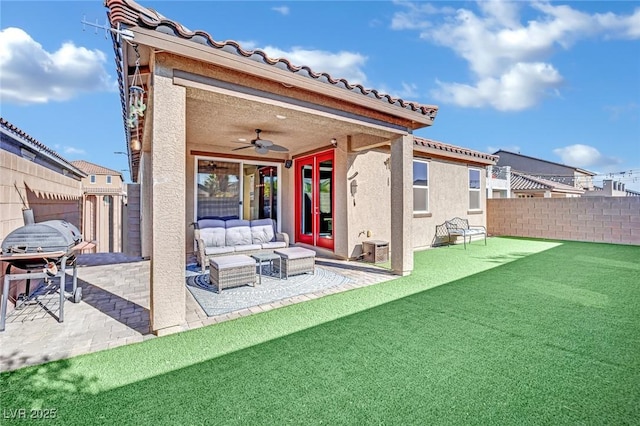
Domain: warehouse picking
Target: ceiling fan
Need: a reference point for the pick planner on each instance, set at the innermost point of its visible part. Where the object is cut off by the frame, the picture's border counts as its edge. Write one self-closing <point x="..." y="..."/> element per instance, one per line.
<point x="262" y="146"/>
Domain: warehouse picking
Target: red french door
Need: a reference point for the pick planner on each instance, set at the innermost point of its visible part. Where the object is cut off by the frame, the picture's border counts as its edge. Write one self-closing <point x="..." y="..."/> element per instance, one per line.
<point x="314" y="199"/>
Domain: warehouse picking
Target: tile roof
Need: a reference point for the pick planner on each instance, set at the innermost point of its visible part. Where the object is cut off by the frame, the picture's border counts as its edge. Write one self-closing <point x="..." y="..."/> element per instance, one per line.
<point x="447" y="148"/>
<point x="523" y="182"/>
<point x="38" y="146"/>
<point x="130" y="13"/>
<point x="94" y="169"/>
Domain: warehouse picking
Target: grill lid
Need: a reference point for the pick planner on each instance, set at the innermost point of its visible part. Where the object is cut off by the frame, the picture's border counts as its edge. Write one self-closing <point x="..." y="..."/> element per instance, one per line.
<point x="48" y="236"/>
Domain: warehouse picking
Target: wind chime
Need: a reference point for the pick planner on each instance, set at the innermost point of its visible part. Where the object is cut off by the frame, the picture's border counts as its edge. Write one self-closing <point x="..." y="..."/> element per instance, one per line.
<point x="136" y="104"/>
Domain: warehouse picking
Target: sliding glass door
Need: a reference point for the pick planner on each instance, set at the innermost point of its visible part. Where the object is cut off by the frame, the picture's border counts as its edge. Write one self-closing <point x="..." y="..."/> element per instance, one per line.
<point x="236" y="190"/>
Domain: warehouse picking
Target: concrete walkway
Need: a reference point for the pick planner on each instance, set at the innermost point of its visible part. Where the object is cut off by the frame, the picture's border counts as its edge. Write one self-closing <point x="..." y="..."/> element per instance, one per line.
<point x="114" y="310"/>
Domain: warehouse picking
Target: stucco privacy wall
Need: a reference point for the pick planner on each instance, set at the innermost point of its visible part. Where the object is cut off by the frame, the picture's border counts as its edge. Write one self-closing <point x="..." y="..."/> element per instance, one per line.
<point x="51" y="195"/>
<point x="592" y="219"/>
<point x="448" y="197"/>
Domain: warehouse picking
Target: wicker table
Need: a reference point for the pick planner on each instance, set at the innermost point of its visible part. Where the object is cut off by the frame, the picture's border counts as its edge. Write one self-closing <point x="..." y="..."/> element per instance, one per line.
<point x="232" y="270"/>
<point x="267" y="257"/>
<point x="297" y="260"/>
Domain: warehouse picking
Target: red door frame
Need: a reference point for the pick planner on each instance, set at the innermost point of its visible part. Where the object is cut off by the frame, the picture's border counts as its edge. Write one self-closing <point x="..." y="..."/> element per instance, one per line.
<point x="314" y="161"/>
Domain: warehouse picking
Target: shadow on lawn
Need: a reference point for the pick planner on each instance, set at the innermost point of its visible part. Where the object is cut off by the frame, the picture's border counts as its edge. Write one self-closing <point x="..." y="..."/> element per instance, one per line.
<point x="462" y="347"/>
<point x="47" y="386"/>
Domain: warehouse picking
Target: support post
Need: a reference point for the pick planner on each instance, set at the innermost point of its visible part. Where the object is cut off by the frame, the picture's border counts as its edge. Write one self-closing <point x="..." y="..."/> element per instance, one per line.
<point x="402" y="205"/>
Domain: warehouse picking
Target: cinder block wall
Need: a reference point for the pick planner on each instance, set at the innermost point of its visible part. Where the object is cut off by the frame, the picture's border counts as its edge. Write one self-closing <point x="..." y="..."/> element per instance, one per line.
<point x="593" y="219"/>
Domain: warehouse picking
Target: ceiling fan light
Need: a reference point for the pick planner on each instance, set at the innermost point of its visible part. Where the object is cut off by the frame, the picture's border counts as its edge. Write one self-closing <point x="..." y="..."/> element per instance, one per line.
<point x="261" y="150"/>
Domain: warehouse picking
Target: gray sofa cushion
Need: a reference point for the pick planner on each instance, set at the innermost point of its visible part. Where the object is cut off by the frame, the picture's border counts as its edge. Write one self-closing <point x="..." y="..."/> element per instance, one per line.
<point x="274" y="245"/>
<point x="238" y="233"/>
<point x="262" y="232"/>
<point x="213" y="237"/>
<point x="214" y="251"/>
<point x="246" y="248"/>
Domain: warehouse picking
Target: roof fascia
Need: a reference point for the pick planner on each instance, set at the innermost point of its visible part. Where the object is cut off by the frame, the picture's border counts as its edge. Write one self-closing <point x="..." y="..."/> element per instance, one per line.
<point x="201" y="52"/>
<point x="452" y="155"/>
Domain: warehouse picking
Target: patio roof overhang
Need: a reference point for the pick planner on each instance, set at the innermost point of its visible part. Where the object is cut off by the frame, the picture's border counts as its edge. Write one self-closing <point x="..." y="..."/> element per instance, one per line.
<point x="247" y="90"/>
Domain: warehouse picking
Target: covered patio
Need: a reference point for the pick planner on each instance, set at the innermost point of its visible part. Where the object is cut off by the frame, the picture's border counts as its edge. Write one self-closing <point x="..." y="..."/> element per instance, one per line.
<point x="193" y="106"/>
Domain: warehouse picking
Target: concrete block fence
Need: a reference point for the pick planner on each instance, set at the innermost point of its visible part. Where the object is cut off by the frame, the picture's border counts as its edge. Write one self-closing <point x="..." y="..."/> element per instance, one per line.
<point x="593" y="219"/>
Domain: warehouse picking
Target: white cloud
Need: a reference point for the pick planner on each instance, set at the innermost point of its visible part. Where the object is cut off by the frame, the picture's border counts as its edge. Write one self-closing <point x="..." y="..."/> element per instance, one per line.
<point x="519" y="88"/>
<point x="503" y="53"/>
<point x="283" y="10"/>
<point x="29" y="74"/>
<point x="579" y="155"/>
<point x="347" y="65"/>
<point x="74" y="151"/>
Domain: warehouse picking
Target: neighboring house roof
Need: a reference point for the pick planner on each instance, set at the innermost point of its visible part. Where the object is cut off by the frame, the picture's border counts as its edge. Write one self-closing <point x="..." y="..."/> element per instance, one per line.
<point x="20" y="136"/>
<point x="94" y="169"/>
<point x="447" y="150"/>
<point x="524" y="182"/>
<point x="130" y="13"/>
<point x="577" y="169"/>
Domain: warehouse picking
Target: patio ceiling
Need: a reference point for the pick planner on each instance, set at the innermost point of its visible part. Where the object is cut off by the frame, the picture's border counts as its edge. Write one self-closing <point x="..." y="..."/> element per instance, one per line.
<point x="216" y="122"/>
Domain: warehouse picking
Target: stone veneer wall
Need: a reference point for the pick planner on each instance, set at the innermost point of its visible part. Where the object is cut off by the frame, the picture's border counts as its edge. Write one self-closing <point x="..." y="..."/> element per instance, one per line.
<point x="593" y="219"/>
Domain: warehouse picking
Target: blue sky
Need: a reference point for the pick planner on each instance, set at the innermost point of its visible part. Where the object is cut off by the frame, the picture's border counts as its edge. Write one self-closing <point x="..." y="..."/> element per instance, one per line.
<point x="553" y="80"/>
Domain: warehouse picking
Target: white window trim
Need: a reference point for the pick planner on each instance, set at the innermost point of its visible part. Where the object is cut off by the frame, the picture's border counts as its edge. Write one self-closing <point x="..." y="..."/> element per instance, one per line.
<point x="479" y="208"/>
<point x="92" y="179"/>
<point x="108" y="179"/>
<point x="425" y="187"/>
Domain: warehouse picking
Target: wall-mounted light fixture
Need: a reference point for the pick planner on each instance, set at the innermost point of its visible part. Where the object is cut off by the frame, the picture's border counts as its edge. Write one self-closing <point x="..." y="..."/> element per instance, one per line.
<point x="334" y="142"/>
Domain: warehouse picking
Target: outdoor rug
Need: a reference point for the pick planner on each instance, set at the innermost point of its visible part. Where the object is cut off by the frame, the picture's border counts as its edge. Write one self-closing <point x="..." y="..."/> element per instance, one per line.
<point x="272" y="289"/>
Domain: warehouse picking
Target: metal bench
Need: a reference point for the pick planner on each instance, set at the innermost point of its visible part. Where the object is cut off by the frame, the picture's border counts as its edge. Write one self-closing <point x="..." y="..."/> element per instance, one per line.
<point x="458" y="227"/>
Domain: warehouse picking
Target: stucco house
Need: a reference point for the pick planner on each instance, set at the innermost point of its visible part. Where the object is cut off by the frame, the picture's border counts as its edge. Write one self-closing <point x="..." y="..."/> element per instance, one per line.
<point x="548" y="170"/>
<point x="527" y="186"/>
<point x="36" y="179"/>
<point x="217" y="130"/>
<point x="103" y="197"/>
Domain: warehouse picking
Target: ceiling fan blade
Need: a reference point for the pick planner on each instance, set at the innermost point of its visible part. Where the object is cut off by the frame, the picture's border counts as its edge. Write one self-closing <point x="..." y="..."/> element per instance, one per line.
<point x="263" y="142"/>
<point x="242" y="147"/>
<point x="278" y="148"/>
<point x="262" y="150"/>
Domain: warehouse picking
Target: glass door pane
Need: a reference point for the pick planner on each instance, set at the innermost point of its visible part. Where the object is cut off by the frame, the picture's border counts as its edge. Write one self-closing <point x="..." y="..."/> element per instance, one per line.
<point x="324" y="187"/>
<point x="218" y="190"/>
<point x="306" y="217"/>
<point x="314" y="200"/>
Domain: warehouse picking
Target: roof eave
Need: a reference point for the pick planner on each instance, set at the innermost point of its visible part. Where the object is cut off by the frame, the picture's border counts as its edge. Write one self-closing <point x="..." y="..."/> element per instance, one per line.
<point x="190" y="49"/>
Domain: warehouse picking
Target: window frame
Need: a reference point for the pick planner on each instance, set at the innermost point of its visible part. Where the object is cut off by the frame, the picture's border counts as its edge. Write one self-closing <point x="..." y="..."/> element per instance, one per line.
<point x="92" y="179"/>
<point x="108" y="179"/>
<point x="478" y="189"/>
<point x="423" y="187"/>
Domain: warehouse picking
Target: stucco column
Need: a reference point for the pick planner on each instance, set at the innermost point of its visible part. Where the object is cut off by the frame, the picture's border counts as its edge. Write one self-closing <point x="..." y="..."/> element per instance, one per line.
<point x="145" y="204"/>
<point x="401" y="246"/>
<point x="168" y="163"/>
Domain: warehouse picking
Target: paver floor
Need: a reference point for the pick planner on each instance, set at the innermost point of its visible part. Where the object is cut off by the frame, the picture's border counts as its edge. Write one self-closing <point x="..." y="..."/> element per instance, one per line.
<point x="114" y="310"/>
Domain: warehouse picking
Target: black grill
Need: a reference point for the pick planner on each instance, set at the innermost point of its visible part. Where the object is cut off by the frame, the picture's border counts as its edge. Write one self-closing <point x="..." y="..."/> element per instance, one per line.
<point x="42" y="237"/>
<point x="43" y="250"/>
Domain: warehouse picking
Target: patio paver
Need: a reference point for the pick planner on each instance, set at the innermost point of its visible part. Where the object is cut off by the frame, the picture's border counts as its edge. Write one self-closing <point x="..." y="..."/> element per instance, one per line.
<point x="114" y="310"/>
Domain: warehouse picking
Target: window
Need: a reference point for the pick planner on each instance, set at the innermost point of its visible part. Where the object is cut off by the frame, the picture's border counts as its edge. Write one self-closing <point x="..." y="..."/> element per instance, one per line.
<point x="108" y="179"/>
<point x="474" y="189"/>
<point x="420" y="186"/>
<point x="92" y="178"/>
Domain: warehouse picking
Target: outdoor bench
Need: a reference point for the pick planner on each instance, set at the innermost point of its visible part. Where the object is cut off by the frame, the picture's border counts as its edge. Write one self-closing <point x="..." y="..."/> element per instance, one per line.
<point x="458" y="227"/>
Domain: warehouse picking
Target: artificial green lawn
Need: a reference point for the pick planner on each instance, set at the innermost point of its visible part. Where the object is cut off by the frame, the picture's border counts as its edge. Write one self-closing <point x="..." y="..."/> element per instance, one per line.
<point x="517" y="332"/>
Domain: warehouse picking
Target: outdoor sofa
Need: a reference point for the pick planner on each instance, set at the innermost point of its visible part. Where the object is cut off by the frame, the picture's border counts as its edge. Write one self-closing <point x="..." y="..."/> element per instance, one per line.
<point x="217" y="237"/>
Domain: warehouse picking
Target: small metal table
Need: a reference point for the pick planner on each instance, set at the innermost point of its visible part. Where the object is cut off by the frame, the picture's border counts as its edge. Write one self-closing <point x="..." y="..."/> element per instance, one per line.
<point x="264" y="257"/>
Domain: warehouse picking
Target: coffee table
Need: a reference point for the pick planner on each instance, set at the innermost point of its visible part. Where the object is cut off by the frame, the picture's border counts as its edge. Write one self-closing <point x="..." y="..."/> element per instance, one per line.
<point x="267" y="257"/>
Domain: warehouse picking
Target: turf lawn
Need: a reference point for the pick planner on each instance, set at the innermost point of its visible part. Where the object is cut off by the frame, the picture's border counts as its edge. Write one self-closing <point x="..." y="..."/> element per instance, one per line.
<point x="518" y="332"/>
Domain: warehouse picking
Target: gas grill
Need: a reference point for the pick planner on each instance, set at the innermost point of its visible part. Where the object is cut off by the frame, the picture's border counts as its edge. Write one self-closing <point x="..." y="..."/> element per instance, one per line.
<point x="43" y="250"/>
